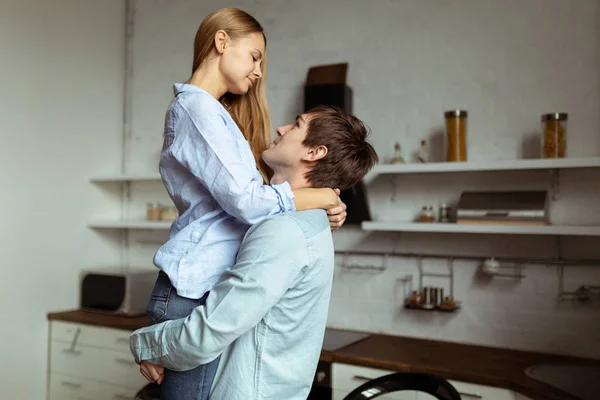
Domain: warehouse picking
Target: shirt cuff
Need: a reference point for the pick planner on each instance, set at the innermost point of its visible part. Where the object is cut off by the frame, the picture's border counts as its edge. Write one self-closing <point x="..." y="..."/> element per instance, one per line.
<point x="285" y="197"/>
<point x="143" y="347"/>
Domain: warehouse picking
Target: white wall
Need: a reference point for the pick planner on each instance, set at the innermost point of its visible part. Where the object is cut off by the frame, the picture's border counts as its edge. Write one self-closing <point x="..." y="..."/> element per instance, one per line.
<point x="506" y="62"/>
<point x="61" y="106"/>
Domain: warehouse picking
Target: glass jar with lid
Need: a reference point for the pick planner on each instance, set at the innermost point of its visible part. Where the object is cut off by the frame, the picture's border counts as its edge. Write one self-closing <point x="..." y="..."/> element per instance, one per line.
<point x="554" y="135"/>
<point x="456" y="135"/>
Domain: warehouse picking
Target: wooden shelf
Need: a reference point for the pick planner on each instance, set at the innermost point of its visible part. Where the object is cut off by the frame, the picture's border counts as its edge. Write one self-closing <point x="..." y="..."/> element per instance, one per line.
<point x="151" y="225"/>
<point x="125" y="178"/>
<point x="553" y="230"/>
<point x="482" y="166"/>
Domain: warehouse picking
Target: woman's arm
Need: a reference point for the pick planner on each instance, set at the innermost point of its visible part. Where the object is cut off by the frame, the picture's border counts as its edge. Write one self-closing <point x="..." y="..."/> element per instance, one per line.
<point x="224" y="165"/>
<point x="306" y="199"/>
<point x="309" y="198"/>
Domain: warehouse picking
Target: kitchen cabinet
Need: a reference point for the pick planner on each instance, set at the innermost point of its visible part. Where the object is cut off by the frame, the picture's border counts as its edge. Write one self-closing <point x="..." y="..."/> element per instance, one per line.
<point x="346" y="378"/>
<point x="91" y="363"/>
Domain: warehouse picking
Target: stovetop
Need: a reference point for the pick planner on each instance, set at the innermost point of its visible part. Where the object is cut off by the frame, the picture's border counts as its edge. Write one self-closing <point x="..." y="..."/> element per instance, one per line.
<point x="336" y="339"/>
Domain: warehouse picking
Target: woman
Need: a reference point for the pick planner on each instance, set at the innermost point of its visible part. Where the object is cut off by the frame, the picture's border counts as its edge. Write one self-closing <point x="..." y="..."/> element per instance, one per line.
<point x="216" y="129"/>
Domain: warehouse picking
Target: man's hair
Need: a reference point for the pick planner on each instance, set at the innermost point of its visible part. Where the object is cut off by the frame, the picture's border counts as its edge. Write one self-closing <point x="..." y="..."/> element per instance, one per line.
<point x="349" y="156"/>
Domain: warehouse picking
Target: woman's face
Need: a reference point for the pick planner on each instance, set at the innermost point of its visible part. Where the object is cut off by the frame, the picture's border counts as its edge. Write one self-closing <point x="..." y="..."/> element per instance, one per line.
<point x="241" y="62"/>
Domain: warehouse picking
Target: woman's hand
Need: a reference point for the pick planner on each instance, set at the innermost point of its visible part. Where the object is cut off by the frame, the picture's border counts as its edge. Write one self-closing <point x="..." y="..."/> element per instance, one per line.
<point x="152" y="372"/>
<point x="337" y="215"/>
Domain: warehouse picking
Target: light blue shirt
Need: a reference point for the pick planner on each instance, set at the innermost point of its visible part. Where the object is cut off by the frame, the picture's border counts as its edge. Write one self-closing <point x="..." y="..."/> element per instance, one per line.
<point x="267" y="315"/>
<point x="210" y="173"/>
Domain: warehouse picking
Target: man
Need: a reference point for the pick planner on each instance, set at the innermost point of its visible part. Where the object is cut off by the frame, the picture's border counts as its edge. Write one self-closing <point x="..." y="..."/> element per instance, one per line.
<point x="266" y="317"/>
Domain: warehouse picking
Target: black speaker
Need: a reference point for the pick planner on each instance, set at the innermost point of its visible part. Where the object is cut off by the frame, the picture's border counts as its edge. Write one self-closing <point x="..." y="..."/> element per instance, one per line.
<point x="336" y="94"/>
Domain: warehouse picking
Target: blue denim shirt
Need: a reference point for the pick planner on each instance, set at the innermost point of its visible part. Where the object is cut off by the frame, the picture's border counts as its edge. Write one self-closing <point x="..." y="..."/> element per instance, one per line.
<point x="210" y="173"/>
<point x="266" y="316"/>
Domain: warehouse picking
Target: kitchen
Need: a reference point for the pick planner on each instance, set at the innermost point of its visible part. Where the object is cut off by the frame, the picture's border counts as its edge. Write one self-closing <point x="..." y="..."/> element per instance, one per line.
<point x="506" y="63"/>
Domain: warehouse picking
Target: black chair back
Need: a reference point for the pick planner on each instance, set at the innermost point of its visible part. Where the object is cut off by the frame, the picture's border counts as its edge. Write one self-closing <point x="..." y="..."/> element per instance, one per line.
<point x="436" y="386"/>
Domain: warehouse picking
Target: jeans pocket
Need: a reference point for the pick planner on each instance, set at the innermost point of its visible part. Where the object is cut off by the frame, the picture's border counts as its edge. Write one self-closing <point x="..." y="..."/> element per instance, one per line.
<point x="159" y="300"/>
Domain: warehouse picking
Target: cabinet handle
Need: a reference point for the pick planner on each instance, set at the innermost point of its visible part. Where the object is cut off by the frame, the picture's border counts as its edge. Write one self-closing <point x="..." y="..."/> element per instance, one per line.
<point x="471" y="395"/>
<point x="362" y="378"/>
<point x="71" y="385"/>
<point x="72" y="352"/>
<point x="124" y="361"/>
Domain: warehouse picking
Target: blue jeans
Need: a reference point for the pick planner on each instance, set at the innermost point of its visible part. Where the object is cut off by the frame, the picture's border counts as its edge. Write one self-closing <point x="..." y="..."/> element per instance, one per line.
<point x="165" y="304"/>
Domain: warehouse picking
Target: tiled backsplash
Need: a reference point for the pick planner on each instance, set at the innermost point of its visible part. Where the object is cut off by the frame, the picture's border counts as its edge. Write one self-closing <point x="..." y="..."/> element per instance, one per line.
<point x="503" y="312"/>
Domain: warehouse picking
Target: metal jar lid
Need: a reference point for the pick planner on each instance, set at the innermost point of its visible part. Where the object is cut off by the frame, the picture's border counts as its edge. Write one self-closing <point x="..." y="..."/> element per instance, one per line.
<point x="455" y="113"/>
<point x="555" y="117"/>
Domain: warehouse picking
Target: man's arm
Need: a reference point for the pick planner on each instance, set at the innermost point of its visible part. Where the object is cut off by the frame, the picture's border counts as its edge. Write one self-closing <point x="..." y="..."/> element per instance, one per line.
<point x="270" y="261"/>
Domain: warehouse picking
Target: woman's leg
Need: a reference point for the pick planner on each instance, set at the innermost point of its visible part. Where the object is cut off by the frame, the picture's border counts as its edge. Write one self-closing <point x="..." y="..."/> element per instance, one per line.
<point x="165" y="304"/>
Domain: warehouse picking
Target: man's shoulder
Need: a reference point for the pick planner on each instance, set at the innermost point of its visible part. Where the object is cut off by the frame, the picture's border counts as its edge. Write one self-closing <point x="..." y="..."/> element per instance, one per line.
<point x="299" y="223"/>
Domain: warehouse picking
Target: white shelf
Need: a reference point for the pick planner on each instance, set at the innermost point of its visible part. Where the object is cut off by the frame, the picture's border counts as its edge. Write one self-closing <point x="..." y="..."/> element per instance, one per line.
<point x="125" y="178"/>
<point x="153" y="225"/>
<point x="554" y="230"/>
<point x="502" y="165"/>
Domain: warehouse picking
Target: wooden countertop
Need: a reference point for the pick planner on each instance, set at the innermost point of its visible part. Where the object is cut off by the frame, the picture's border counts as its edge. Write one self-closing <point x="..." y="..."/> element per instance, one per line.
<point x="489" y="366"/>
<point x="462" y="362"/>
<point x="98" y="319"/>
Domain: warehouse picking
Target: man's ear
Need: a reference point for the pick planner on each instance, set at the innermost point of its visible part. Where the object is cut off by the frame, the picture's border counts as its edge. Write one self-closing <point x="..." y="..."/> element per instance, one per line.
<point x="221" y="41"/>
<point x="315" y="153"/>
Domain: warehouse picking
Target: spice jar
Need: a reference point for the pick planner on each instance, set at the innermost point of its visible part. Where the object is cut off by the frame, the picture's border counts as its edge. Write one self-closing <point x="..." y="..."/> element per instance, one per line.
<point x="554" y="135"/>
<point x="427" y="214"/>
<point x="414" y="299"/>
<point x="444" y="213"/>
<point x="456" y="135"/>
<point x="153" y="212"/>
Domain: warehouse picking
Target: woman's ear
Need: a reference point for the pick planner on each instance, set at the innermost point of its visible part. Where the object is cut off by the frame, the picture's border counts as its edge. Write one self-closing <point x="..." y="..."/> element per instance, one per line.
<point x="315" y="153"/>
<point x="221" y="40"/>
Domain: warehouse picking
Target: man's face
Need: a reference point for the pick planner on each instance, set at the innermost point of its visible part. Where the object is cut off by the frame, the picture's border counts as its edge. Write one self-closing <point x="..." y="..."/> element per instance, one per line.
<point x="287" y="151"/>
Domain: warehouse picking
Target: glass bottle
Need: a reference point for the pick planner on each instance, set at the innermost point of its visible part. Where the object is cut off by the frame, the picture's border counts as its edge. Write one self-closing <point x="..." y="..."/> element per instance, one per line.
<point x="423" y="153"/>
<point x="397" y="159"/>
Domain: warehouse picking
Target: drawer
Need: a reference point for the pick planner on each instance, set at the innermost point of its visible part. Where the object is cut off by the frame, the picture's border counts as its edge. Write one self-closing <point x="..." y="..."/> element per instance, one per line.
<point x="71" y="388"/>
<point x="108" y="338"/>
<point x="64" y="387"/>
<point x="102" y="365"/>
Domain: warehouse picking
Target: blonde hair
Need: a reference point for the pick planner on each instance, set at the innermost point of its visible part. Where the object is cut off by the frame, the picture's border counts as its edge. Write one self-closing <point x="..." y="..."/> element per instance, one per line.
<point x="249" y="111"/>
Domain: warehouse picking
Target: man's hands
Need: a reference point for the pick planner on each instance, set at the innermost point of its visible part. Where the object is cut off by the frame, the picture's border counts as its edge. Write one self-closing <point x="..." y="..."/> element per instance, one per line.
<point x="337" y="215"/>
<point x="152" y="372"/>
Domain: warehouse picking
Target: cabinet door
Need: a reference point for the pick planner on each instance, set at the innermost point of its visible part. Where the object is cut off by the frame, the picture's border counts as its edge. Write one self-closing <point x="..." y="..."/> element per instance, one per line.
<point x="101" y="365"/>
<point x="63" y="387"/>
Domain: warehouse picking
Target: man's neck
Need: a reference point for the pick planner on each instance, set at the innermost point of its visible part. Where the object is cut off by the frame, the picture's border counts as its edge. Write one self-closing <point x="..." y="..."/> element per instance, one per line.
<point x="296" y="179"/>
